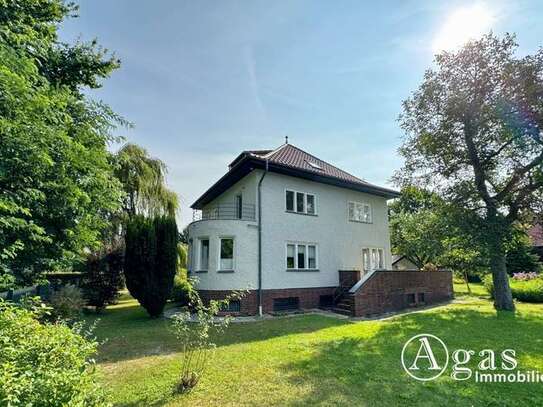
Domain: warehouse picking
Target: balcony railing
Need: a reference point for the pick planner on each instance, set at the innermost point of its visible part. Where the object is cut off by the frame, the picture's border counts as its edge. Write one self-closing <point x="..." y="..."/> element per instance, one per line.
<point x="226" y="212"/>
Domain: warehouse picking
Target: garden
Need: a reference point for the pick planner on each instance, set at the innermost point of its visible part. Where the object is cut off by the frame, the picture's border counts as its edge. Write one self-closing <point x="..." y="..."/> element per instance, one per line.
<point x="96" y="305"/>
<point x="315" y="359"/>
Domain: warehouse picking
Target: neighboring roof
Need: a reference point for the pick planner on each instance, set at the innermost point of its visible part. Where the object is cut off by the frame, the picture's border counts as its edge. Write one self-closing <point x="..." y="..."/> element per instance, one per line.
<point x="289" y="160"/>
<point x="536" y="234"/>
<point x="396" y="258"/>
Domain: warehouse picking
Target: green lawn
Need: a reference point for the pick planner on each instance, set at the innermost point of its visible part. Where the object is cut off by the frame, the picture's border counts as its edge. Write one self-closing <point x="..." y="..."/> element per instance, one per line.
<point x="311" y="359"/>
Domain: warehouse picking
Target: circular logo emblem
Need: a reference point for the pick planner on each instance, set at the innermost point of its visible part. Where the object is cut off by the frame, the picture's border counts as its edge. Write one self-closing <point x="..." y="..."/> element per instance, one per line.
<point x="425" y="357"/>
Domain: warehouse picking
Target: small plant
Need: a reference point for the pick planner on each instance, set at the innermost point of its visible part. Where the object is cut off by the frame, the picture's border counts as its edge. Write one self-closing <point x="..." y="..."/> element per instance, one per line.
<point x="67" y="302"/>
<point x="181" y="291"/>
<point x="195" y="331"/>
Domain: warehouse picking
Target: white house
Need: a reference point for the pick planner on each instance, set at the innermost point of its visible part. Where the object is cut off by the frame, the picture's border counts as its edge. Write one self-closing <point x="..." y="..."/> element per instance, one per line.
<point x="285" y="225"/>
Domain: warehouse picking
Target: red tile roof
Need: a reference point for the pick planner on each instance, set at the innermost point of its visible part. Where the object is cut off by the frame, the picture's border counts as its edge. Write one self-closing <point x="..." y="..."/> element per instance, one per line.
<point x="290" y="160"/>
<point x="291" y="156"/>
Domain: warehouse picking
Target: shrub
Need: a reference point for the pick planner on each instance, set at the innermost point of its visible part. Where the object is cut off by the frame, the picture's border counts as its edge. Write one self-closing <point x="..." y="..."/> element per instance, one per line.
<point x="429" y="267"/>
<point x="522" y="290"/>
<point x="182" y="289"/>
<point x="520" y="257"/>
<point x="195" y="336"/>
<point x="151" y="261"/>
<point x="103" y="277"/>
<point x="45" y="364"/>
<point x="67" y="302"/>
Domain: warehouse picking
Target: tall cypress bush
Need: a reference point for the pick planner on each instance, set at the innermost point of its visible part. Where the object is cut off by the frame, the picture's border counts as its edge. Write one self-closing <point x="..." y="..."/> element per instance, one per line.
<point x="151" y="260"/>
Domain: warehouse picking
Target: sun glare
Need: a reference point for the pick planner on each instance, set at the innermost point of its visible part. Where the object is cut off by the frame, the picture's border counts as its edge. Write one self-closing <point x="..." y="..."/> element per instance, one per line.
<point x="462" y="25"/>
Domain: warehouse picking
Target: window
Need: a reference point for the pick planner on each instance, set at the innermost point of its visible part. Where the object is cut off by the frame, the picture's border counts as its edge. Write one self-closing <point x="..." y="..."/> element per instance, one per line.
<point x="311" y="257"/>
<point x="239" y="206"/>
<point x="300" y="202"/>
<point x="314" y="165"/>
<point x="233" y="306"/>
<point x="204" y="254"/>
<point x="286" y="304"/>
<point x="310" y="204"/>
<point x="420" y="297"/>
<point x="411" y="299"/>
<point x="359" y="212"/>
<point x="301" y="256"/>
<point x="366" y="262"/>
<point x="373" y="259"/>
<point x="226" y="261"/>
<point x="290" y="200"/>
<point x="291" y="248"/>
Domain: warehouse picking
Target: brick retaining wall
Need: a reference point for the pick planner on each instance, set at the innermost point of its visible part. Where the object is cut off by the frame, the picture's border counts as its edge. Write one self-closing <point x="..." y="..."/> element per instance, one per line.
<point x="308" y="298"/>
<point x="387" y="291"/>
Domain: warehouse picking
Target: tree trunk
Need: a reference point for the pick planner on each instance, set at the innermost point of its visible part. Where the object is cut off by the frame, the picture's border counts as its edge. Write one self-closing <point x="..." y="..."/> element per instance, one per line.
<point x="496" y="232"/>
<point x="467" y="281"/>
<point x="503" y="300"/>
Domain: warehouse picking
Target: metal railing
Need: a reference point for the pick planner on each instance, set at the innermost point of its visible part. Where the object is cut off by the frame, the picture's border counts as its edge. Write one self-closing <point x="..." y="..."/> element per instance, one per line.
<point x="226" y="212"/>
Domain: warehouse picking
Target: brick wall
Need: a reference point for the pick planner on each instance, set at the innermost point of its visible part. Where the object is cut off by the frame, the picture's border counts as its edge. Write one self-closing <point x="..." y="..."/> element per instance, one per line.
<point x="348" y="278"/>
<point x="387" y="291"/>
<point x="308" y="298"/>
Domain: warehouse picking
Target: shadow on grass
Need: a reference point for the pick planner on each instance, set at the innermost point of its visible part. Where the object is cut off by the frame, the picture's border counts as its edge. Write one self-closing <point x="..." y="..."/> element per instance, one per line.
<point x="128" y="333"/>
<point x="354" y="371"/>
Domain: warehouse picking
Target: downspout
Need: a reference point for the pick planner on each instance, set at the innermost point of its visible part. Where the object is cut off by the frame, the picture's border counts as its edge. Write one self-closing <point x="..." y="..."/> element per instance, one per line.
<point x="260" y="240"/>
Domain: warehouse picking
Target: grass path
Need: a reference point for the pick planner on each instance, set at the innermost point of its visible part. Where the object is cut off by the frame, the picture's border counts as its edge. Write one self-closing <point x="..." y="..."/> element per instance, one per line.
<point x="318" y="360"/>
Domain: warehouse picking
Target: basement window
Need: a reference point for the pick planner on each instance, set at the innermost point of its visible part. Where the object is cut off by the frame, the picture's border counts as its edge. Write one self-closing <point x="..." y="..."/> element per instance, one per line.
<point x="411" y="300"/>
<point x="233" y="306"/>
<point x="286" y="304"/>
<point x="420" y="298"/>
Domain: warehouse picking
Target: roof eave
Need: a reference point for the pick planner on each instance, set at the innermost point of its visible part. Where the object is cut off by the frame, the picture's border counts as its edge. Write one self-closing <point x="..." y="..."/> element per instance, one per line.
<point x="247" y="163"/>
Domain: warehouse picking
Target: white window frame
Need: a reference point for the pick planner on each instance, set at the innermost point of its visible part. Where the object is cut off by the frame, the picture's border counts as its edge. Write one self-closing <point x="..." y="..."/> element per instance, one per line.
<point x="219" y="265"/>
<point x="306" y="257"/>
<point x="363" y="205"/>
<point x="375" y="263"/>
<point x="305" y="194"/>
<point x="200" y="245"/>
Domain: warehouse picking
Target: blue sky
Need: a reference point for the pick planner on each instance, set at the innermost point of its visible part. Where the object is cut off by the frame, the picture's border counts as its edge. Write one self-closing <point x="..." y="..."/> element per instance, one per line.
<point x="204" y="80"/>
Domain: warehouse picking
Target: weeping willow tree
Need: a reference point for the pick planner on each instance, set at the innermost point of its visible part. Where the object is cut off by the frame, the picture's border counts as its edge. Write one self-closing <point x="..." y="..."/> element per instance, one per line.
<point x="143" y="179"/>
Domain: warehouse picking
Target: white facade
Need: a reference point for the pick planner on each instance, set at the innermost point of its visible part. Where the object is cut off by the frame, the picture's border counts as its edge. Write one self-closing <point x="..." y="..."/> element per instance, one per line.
<point x="338" y="242"/>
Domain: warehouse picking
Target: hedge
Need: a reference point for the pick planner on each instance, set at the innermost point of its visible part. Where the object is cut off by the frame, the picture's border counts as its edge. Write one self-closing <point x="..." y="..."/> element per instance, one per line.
<point x="525" y="291"/>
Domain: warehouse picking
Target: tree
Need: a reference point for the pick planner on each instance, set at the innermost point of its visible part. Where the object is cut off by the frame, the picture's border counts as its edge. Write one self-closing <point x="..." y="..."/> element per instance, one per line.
<point x="473" y="133"/>
<point x="103" y="276"/>
<point x="57" y="186"/>
<point x="520" y="257"/>
<point x="417" y="226"/>
<point x="426" y="229"/>
<point x="143" y="180"/>
<point x="151" y="260"/>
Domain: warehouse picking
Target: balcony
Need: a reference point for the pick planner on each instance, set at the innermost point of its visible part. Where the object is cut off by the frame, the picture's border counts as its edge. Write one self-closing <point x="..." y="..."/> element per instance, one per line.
<point x="226" y="212"/>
